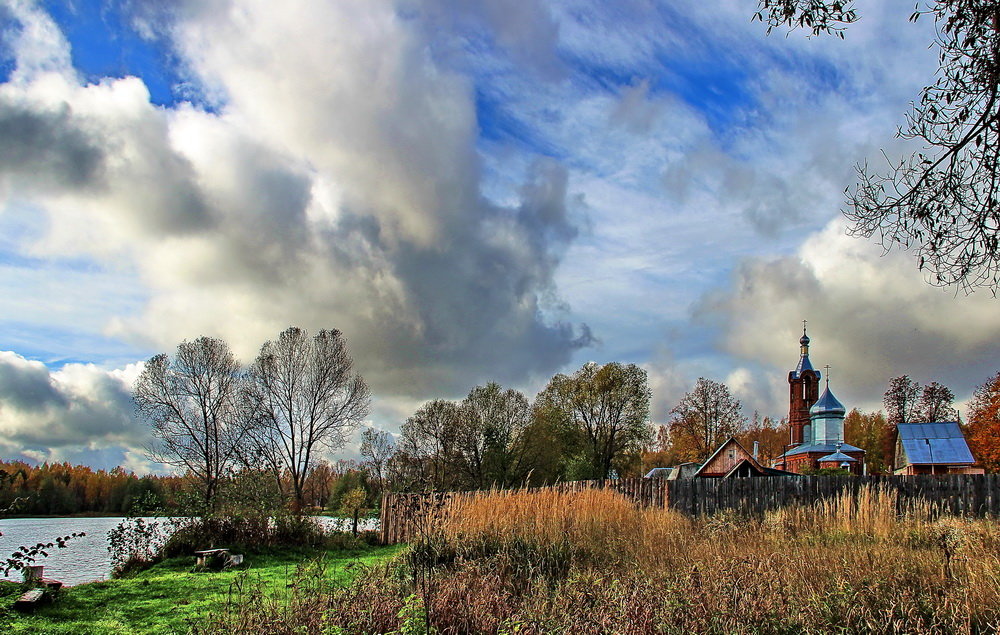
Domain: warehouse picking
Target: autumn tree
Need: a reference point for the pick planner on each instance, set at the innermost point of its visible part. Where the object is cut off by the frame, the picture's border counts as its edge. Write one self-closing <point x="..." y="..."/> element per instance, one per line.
<point x="303" y="397"/>
<point x="983" y="431"/>
<point x="191" y="403"/>
<point x="552" y="443"/>
<point x="872" y="433"/>
<point x="771" y="437"/>
<point x="609" y="407"/>
<point x="943" y="201"/>
<point x="660" y="450"/>
<point x="704" y="418"/>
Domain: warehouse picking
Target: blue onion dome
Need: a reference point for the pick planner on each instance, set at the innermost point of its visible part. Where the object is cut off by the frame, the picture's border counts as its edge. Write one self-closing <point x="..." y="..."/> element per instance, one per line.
<point x="804" y="340"/>
<point x="827" y="404"/>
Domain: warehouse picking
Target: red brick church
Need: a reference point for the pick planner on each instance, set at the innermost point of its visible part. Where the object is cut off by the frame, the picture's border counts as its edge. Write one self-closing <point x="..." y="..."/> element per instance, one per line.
<point x="817" y="423"/>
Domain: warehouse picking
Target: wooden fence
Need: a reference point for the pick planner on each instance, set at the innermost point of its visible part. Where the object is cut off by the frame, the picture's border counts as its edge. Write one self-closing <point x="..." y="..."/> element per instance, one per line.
<point x="405" y="516"/>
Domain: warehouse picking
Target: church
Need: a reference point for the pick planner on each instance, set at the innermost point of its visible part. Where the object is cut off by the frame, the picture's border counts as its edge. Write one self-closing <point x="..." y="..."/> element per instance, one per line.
<point x="816" y="423"/>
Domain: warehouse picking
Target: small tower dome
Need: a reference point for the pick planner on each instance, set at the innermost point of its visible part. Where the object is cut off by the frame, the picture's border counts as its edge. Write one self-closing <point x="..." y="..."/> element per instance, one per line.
<point x="827" y="404"/>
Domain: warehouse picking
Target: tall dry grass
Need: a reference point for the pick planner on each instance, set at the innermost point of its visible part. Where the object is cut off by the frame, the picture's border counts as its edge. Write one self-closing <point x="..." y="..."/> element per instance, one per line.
<point x="592" y="562"/>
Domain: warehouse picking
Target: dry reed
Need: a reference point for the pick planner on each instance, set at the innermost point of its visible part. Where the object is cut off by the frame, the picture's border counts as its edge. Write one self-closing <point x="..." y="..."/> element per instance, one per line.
<point x="592" y="562"/>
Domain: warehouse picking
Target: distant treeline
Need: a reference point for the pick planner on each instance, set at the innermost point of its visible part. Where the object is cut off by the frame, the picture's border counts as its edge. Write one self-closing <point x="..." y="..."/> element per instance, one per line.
<point x="61" y="488"/>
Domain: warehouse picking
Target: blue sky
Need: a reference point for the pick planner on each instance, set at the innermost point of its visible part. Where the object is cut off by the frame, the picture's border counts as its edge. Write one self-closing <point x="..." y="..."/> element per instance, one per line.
<point x="471" y="191"/>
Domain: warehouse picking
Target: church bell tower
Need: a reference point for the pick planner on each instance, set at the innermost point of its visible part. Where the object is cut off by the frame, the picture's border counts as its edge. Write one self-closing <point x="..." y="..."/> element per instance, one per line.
<point x="803" y="384"/>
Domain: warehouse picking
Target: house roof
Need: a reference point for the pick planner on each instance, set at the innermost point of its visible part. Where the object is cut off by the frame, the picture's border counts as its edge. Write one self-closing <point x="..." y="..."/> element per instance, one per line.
<point x="658" y="472"/>
<point x="934" y="443"/>
<point x="747" y="458"/>
<point x="718" y="450"/>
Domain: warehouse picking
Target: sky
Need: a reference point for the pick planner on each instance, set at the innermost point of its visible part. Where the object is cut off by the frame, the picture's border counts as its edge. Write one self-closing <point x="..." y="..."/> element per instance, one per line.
<point x="470" y="190"/>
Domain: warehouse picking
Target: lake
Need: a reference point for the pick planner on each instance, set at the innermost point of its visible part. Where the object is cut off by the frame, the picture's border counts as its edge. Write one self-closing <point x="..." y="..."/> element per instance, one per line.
<point x="87" y="559"/>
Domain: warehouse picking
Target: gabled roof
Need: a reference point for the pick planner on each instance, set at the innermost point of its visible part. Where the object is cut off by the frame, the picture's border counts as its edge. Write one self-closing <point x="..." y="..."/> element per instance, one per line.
<point x="746" y="457"/>
<point x="934" y="443"/>
<point x="658" y="472"/>
<point x="718" y="450"/>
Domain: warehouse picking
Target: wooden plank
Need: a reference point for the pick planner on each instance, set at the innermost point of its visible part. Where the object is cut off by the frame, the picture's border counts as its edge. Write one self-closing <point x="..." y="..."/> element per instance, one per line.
<point x="30" y="600"/>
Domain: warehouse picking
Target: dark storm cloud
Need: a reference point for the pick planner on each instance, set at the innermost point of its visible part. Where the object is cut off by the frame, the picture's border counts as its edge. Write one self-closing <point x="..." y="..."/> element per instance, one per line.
<point x="27" y="388"/>
<point x="78" y="405"/>
<point x="47" y="143"/>
<point x="337" y="186"/>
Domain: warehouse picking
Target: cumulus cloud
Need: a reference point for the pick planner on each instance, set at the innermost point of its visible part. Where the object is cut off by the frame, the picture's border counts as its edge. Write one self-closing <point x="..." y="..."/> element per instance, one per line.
<point x="334" y="183"/>
<point x="871" y="317"/>
<point x="76" y="407"/>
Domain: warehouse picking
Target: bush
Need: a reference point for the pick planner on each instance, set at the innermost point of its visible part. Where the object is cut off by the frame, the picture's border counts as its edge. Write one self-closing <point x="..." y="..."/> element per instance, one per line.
<point x="135" y="544"/>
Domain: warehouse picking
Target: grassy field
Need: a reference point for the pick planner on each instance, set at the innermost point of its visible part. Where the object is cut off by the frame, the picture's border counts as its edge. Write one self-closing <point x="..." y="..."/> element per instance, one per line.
<point x="170" y="597"/>
<point x="591" y="562"/>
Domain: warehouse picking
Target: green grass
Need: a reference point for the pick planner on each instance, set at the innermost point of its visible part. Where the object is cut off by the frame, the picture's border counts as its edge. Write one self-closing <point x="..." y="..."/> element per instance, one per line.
<point x="170" y="596"/>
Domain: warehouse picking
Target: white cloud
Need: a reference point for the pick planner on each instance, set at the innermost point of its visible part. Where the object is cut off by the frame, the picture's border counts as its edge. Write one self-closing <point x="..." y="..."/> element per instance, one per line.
<point x="871" y="317"/>
<point x="337" y="185"/>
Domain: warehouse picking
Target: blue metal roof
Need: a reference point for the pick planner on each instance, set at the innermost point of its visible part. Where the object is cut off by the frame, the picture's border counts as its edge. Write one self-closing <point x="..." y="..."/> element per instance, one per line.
<point x="825" y="448"/>
<point x="804" y="365"/>
<point x="839" y="457"/>
<point x="941" y="443"/>
<point x="827" y="403"/>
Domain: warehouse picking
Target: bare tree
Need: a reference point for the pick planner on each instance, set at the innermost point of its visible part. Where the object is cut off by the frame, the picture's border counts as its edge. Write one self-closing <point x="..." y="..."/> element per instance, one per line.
<point x="937" y="403"/>
<point x="901" y="400"/>
<point x="944" y="199"/>
<point x="428" y="443"/>
<point x="303" y="397"/>
<point x="704" y="418"/>
<point x="377" y="448"/>
<point x="190" y="401"/>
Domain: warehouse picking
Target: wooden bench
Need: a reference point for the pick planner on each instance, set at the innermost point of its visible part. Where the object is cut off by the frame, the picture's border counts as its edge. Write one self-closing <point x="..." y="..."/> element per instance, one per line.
<point x="31" y="599"/>
<point x="231" y="559"/>
<point x="205" y="554"/>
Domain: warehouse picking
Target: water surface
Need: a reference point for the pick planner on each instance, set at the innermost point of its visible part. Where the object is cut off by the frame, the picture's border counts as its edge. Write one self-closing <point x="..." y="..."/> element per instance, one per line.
<point x="87" y="559"/>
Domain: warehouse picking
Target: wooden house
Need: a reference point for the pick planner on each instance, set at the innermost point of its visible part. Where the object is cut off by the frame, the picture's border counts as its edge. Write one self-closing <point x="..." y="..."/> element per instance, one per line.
<point x="933" y="448"/>
<point x="731" y="460"/>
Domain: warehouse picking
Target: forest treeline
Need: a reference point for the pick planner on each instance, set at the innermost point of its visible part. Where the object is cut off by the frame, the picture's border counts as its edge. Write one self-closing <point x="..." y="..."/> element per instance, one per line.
<point x="61" y="489"/>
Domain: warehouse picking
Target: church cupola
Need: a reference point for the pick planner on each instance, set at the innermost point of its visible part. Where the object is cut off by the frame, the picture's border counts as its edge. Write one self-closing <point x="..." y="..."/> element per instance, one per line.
<point x="827" y="418"/>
